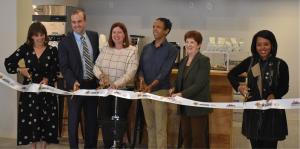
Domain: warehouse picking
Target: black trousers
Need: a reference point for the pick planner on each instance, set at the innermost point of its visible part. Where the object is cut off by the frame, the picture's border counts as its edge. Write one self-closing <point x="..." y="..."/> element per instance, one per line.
<point x="89" y="105"/>
<point x="195" y="131"/>
<point x="106" y="111"/>
<point x="262" y="144"/>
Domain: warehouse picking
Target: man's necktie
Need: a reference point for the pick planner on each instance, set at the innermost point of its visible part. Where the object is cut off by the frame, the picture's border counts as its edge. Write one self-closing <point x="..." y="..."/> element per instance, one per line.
<point x="88" y="62"/>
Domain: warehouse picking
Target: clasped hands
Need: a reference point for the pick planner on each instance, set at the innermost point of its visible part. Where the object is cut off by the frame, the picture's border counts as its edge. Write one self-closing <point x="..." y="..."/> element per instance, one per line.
<point x="143" y="87"/>
<point x="173" y="94"/>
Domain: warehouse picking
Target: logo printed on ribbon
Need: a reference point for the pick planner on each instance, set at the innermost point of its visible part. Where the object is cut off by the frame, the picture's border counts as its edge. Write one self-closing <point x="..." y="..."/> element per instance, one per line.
<point x="260" y="105"/>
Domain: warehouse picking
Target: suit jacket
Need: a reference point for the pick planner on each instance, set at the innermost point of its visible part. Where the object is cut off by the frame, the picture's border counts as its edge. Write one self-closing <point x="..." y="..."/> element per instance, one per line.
<point x="70" y="59"/>
<point x="194" y="84"/>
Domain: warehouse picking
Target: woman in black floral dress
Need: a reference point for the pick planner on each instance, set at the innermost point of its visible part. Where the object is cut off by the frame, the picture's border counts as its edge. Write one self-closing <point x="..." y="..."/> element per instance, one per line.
<point x="37" y="113"/>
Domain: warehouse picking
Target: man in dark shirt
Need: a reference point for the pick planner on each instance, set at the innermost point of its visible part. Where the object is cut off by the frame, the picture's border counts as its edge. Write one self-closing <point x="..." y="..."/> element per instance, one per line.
<point x="156" y="63"/>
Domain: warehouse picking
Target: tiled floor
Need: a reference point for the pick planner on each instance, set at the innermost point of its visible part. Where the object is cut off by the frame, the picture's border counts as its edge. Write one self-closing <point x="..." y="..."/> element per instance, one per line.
<point x="11" y="144"/>
<point x="238" y="141"/>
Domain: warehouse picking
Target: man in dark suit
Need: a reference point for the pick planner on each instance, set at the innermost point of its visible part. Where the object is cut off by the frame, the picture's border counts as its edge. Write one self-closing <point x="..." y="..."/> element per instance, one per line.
<point x="77" y="54"/>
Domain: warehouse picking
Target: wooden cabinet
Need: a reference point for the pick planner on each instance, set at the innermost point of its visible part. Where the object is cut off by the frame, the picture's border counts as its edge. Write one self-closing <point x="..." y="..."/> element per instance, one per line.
<point x="220" y="120"/>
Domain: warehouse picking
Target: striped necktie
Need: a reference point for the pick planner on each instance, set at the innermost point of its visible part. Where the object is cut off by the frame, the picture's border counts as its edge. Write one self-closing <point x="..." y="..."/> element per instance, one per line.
<point x="88" y="62"/>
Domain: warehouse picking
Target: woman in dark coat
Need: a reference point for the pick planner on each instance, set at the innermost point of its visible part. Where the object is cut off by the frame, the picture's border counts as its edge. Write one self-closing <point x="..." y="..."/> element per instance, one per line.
<point x="193" y="83"/>
<point x="37" y="113"/>
<point x="268" y="78"/>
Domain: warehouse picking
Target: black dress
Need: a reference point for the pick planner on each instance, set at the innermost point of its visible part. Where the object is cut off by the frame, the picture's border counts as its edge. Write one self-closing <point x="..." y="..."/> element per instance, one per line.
<point x="37" y="113"/>
<point x="267" y="125"/>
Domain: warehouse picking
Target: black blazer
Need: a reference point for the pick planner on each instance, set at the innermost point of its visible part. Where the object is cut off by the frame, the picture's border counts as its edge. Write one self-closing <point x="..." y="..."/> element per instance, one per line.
<point x="263" y="124"/>
<point x="69" y="57"/>
<point x="195" y="84"/>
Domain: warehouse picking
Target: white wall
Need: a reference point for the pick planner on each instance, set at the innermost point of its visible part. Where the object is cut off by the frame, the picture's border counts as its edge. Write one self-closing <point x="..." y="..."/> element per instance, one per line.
<point x="8" y="39"/>
<point x="24" y="19"/>
<point x="298" y="69"/>
<point x="15" y="29"/>
<point x="238" y="18"/>
<point x="56" y="2"/>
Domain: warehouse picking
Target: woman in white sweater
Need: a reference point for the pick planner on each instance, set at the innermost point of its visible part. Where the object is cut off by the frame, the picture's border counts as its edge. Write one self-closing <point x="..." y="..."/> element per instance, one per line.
<point x="115" y="67"/>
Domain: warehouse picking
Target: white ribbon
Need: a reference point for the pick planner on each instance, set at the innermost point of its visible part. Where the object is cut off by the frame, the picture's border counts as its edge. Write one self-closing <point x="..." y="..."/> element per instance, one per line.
<point x="292" y="103"/>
